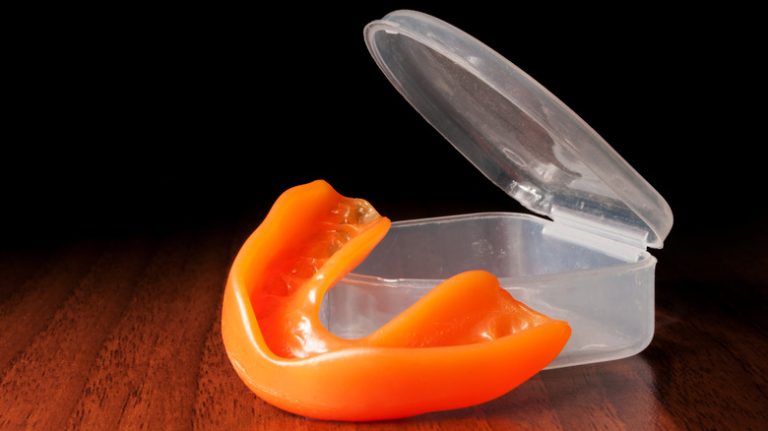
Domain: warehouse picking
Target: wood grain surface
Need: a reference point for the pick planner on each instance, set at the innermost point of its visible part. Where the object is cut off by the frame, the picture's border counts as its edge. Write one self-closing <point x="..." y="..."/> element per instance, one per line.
<point x="124" y="334"/>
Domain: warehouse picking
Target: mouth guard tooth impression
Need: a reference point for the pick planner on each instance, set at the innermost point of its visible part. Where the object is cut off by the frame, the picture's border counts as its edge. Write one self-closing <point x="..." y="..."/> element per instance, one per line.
<point x="466" y="342"/>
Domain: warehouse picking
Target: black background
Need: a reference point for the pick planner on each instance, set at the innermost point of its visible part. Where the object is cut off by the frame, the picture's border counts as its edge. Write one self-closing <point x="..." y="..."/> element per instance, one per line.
<point x="130" y="121"/>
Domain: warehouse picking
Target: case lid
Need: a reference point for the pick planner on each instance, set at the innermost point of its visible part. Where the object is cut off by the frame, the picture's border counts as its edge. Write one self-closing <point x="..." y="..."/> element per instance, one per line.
<point x="516" y="132"/>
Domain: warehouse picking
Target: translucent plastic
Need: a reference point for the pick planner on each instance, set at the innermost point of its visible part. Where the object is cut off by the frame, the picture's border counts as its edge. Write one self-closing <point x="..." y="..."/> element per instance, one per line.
<point x="603" y="288"/>
<point x="522" y="137"/>
<point x="588" y="266"/>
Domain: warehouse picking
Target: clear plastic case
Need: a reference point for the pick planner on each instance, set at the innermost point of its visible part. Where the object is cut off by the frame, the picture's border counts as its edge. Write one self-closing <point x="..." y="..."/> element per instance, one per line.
<point x="604" y="289"/>
<point x="587" y="265"/>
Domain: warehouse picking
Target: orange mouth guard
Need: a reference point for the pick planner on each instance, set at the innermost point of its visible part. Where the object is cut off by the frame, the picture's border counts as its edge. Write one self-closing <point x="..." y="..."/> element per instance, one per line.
<point x="465" y="342"/>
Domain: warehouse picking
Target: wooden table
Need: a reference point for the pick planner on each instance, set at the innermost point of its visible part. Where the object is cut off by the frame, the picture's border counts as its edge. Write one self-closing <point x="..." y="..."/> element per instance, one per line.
<point x="124" y="334"/>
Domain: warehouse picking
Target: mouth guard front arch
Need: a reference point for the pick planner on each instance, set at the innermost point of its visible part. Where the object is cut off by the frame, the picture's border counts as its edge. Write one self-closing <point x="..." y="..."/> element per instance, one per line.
<point x="466" y="342"/>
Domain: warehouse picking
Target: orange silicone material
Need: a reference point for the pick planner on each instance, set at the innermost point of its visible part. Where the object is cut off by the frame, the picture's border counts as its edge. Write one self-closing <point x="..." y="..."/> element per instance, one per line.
<point x="465" y="342"/>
